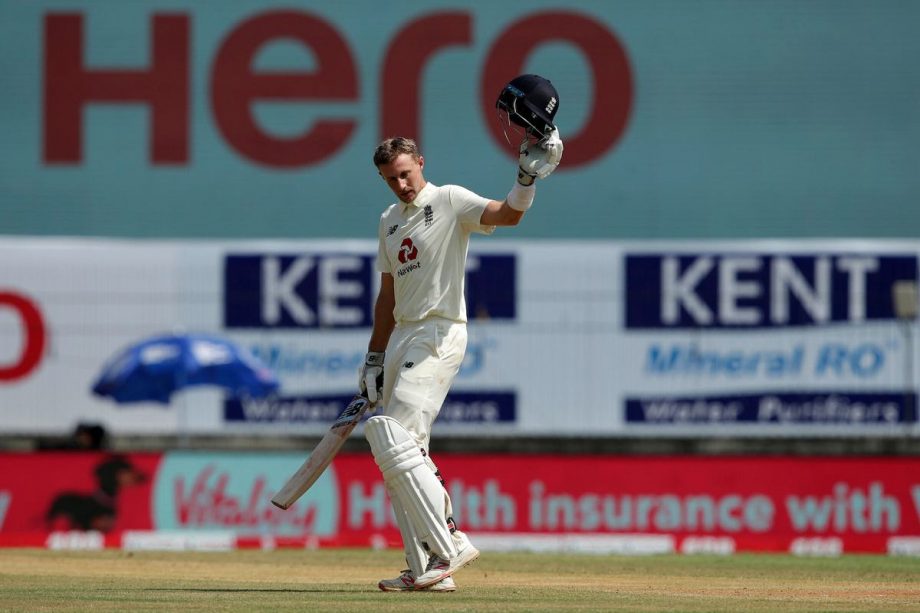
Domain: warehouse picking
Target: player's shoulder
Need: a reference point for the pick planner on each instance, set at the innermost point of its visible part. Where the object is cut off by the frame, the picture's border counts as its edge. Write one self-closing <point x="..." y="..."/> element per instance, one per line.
<point x="388" y="217"/>
<point x="436" y="195"/>
<point x="458" y="191"/>
<point x="390" y="210"/>
<point x="463" y="197"/>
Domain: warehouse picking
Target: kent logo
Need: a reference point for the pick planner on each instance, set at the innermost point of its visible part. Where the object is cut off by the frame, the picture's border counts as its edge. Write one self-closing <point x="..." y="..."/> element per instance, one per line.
<point x="310" y="290"/>
<point x="749" y="290"/>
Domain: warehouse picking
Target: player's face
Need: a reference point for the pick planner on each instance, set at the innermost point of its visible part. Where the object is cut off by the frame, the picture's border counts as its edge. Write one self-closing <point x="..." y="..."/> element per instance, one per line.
<point x="404" y="176"/>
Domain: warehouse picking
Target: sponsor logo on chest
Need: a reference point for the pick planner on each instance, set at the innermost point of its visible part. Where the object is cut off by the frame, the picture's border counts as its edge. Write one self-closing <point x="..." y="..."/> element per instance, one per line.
<point x="408" y="251"/>
<point x="408" y="255"/>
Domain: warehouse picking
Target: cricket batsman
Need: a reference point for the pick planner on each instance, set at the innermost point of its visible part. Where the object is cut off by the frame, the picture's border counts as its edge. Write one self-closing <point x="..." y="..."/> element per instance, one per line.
<point x="419" y="334"/>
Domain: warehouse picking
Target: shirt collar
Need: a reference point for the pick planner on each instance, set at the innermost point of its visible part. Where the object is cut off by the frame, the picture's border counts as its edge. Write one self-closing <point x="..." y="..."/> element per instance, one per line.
<point x="421" y="199"/>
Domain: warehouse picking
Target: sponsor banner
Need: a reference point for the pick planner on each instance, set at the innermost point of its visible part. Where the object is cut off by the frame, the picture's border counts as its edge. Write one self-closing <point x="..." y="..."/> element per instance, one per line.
<point x="752" y="290"/>
<point x="764" y="339"/>
<point x="286" y="409"/>
<point x="303" y="308"/>
<point x="166" y="540"/>
<point x="232" y="491"/>
<point x="779" y="408"/>
<point x="458" y="408"/>
<point x="641" y="504"/>
<point x="259" y="117"/>
<point x="478" y="408"/>
<point x="307" y="291"/>
<point x="65" y="491"/>
<point x="565" y="338"/>
<point x="298" y="291"/>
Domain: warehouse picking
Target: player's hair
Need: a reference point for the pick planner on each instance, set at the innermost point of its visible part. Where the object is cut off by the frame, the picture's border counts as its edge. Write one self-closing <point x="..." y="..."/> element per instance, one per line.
<point x="391" y="148"/>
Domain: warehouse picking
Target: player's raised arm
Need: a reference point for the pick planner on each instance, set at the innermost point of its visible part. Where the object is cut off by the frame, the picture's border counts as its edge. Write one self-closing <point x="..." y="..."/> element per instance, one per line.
<point x="536" y="161"/>
<point x="529" y="104"/>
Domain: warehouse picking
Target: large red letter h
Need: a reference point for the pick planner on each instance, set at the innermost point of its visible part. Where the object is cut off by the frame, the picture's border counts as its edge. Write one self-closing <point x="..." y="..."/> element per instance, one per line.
<point x="69" y="86"/>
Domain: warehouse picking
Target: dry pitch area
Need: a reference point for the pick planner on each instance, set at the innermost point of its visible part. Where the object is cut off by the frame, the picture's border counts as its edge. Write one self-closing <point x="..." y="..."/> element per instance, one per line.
<point x="345" y="580"/>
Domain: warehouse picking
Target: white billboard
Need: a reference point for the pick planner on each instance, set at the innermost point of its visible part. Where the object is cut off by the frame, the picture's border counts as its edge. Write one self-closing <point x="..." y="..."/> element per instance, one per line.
<point x="566" y="338"/>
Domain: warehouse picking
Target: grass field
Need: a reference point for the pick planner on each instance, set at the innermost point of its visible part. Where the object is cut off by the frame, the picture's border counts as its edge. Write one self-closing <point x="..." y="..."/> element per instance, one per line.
<point x="346" y="580"/>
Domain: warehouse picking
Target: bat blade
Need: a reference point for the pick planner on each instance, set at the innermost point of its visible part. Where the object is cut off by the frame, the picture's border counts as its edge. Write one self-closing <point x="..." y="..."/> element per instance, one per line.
<point x="322" y="455"/>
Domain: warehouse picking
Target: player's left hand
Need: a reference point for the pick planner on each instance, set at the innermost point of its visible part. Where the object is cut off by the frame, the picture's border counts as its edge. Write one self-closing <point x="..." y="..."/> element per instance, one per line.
<point x="540" y="159"/>
<point x="370" y="377"/>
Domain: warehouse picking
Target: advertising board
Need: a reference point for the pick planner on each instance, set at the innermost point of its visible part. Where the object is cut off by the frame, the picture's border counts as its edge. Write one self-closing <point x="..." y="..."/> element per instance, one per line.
<point x="258" y="118"/>
<point x="624" y="504"/>
<point x="796" y="338"/>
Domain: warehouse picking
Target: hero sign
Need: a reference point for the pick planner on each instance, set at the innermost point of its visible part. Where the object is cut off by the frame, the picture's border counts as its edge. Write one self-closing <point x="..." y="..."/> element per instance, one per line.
<point x="235" y="86"/>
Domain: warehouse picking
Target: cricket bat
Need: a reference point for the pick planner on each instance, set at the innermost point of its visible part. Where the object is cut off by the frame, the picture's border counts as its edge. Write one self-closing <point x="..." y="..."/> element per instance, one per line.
<point x="322" y="454"/>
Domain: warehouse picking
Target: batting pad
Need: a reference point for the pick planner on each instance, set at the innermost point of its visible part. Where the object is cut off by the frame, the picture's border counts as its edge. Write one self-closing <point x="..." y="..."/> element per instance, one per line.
<point x="416" y="556"/>
<point x="411" y="482"/>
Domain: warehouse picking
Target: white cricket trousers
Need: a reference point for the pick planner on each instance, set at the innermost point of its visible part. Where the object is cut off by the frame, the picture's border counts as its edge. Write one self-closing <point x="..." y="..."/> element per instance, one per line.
<point x="421" y="362"/>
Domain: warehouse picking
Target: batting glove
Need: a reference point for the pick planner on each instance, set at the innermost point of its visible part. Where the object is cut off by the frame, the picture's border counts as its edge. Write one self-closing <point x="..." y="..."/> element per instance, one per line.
<point x="539" y="160"/>
<point x="370" y="377"/>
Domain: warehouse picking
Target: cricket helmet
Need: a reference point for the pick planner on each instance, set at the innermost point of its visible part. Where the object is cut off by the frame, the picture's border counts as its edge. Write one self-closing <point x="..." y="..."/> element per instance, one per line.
<point x="530" y="102"/>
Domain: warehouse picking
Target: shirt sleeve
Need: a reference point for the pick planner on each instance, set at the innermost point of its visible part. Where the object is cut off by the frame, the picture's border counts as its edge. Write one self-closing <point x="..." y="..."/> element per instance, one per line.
<point x="383" y="261"/>
<point x="468" y="207"/>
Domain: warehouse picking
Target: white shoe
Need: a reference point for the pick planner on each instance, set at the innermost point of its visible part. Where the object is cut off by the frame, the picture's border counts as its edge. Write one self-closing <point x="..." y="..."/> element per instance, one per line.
<point x="440" y="569"/>
<point x="405" y="582"/>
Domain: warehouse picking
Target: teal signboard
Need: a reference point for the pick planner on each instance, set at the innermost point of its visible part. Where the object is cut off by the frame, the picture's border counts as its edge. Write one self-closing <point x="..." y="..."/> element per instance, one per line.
<point x="236" y="119"/>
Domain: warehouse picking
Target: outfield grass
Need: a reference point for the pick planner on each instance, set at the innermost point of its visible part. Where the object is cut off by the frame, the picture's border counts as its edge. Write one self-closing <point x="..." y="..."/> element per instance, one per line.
<point x="345" y="580"/>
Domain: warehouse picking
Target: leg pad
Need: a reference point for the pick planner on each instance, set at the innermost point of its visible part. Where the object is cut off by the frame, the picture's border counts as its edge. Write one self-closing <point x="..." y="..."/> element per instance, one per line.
<point x="409" y="479"/>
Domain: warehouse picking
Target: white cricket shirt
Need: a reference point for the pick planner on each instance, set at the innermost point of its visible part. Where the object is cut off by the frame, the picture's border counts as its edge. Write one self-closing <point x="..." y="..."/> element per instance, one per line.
<point x="423" y="244"/>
